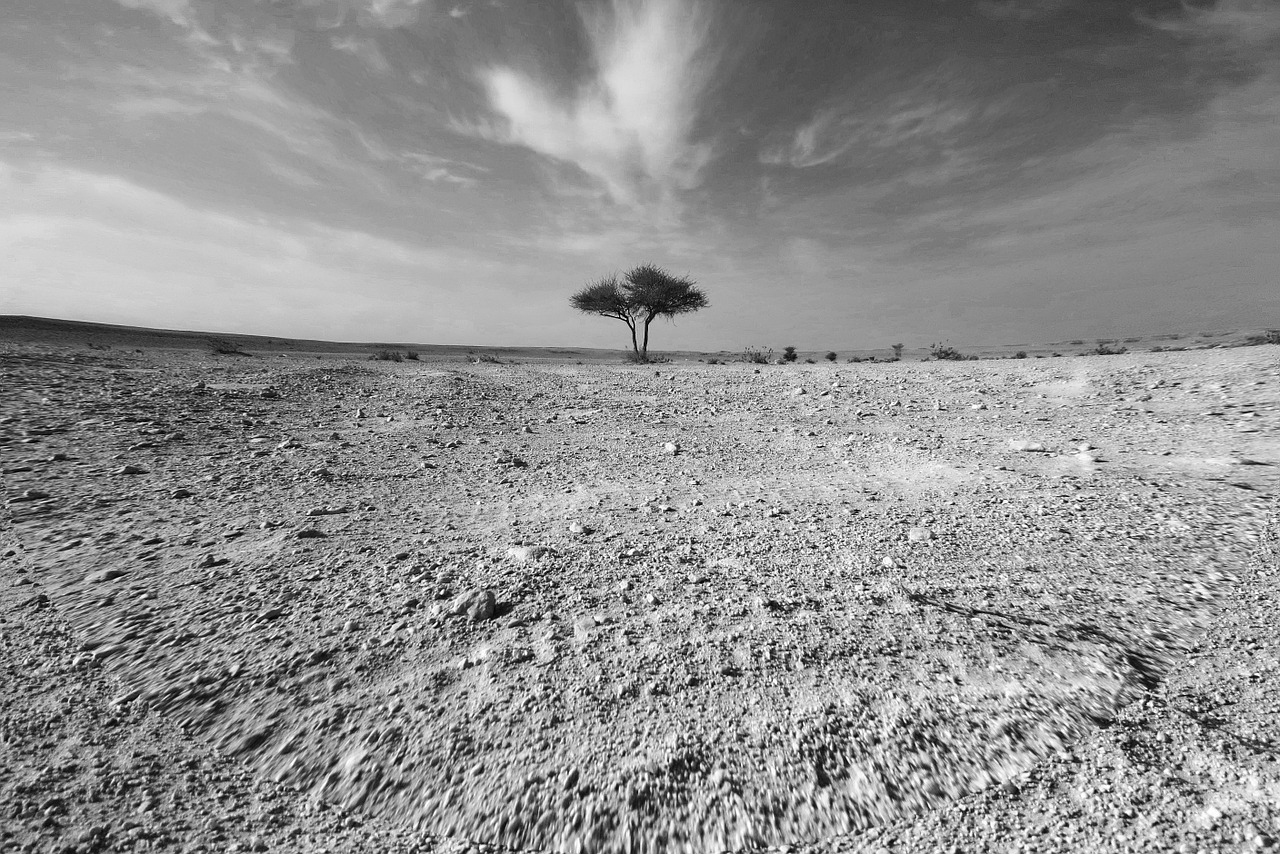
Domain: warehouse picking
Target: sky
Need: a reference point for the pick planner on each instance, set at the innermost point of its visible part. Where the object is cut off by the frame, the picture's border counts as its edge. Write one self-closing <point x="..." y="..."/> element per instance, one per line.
<point x="834" y="174"/>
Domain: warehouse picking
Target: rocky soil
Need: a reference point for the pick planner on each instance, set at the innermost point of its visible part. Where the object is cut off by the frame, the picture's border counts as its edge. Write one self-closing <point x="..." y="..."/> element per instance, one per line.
<point x="316" y="604"/>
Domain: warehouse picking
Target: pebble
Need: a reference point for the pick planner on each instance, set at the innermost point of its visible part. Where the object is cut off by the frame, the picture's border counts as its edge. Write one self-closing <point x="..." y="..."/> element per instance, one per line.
<point x="1026" y="445"/>
<point x="130" y="469"/>
<point x="671" y="448"/>
<point x="103" y="575"/>
<point x="919" y="535"/>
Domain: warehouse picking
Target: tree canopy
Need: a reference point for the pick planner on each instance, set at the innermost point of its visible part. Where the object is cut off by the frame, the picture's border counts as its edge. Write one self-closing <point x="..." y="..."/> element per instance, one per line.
<point x="638" y="297"/>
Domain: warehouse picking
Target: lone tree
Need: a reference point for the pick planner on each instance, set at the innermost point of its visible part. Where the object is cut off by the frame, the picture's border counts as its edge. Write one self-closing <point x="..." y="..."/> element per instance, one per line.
<point x="642" y="294"/>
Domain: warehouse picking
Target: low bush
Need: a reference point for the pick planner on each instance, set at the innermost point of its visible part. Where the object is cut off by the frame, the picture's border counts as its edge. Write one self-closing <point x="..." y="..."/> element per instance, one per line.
<point x="756" y="356"/>
<point x="1021" y="354"/>
<point x="788" y="354"/>
<point x="1271" y="336"/>
<point x="483" y="358"/>
<point x="1108" y="348"/>
<point x="412" y="355"/>
<point x="947" y="353"/>
<point x="386" y="356"/>
<point x="831" y="357"/>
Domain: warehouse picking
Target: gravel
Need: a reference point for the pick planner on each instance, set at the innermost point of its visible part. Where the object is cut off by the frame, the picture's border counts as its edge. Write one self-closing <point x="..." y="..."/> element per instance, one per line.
<point x="839" y="621"/>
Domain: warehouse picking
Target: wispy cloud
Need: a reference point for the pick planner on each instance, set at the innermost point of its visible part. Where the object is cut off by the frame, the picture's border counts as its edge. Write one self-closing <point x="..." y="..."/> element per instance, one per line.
<point x="1023" y="10"/>
<point x="97" y="245"/>
<point x="1252" y="23"/>
<point x="630" y="126"/>
<point x="925" y="115"/>
<point x="365" y="49"/>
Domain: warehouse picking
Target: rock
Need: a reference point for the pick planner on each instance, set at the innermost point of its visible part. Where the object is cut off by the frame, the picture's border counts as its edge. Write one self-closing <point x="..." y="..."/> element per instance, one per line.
<point x="919" y="535"/>
<point x="310" y="534"/>
<point x="797" y="392"/>
<point x="1026" y="445"/>
<point x="671" y="448"/>
<point x="578" y="528"/>
<point x="476" y="605"/>
<point x="130" y="469"/>
<point x="179" y="494"/>
<point x="103" y="575"/>
<point x="31" y="495"/>
<point x="524" y="554"/>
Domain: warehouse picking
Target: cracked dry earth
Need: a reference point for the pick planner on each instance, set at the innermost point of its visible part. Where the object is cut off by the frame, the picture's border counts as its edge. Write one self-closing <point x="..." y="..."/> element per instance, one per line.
<point x="317" y="604"/>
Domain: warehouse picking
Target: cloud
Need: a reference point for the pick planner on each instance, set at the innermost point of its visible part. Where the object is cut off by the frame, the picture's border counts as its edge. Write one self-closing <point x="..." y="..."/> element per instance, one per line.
<point x="834" y="131"/>
<point x="1022" y="10"/>
<point x="180" y="12"/>
<point x="365" y="49"/>
<point x="384" y="14"/>
<point x="79" y="244"/>
<point x="630" y="126"/>
<point x="1245" y="23"/>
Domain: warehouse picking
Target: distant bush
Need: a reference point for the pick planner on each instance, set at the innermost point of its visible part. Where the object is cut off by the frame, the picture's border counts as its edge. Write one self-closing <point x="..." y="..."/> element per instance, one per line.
<point x="1021" y="354"/>
<point x="483" y="358"/>
<point x="1078" y="342"/>
<point x="1132" y="340"/>
<point x="387" y="356"/>
<point x="947" y="353"/>
<point x="223" y="347"/>
<point x="788" y="354"/>
<point x="831" y="357"/>
<point x="897" y="350"/>
<point x="714" y="362"/>
<point x="412" y="355"/>
<point x="1108" y="348"/>
<point x="1271" y="336"/>
<point x="756" y="356"/>
<point x="810" y="362"/>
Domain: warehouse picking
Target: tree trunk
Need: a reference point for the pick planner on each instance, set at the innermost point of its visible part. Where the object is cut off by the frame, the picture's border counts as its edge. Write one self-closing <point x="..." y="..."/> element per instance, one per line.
<point x="635" y="347"/>
<point x="644" y="352"/>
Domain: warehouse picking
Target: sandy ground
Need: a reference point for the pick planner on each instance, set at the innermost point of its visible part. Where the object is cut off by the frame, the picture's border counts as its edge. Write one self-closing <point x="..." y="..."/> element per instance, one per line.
<point x="304" y="604"/>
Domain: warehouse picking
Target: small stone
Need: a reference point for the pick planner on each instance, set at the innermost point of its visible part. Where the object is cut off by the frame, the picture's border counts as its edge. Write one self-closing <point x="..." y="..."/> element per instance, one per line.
<point x="888" y="563"/>
<point x="180" y="493"/>
<point x="103" y="575"/>
<point x="310" y="534"/>
<point x="919" y="535"/>
<point x="130" y="469"/>
<point x="1026" y="445"/>
<point x="578" y="528"/>
<point x="671" y="448"/>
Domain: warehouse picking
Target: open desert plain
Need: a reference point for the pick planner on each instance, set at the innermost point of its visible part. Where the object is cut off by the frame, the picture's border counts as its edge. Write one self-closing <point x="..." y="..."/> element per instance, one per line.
<point x="293" y="601"/>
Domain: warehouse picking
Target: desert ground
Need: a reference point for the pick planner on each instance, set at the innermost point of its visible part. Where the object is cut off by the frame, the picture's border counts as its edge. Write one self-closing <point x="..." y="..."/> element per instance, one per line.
<point x="290" y="600"/>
